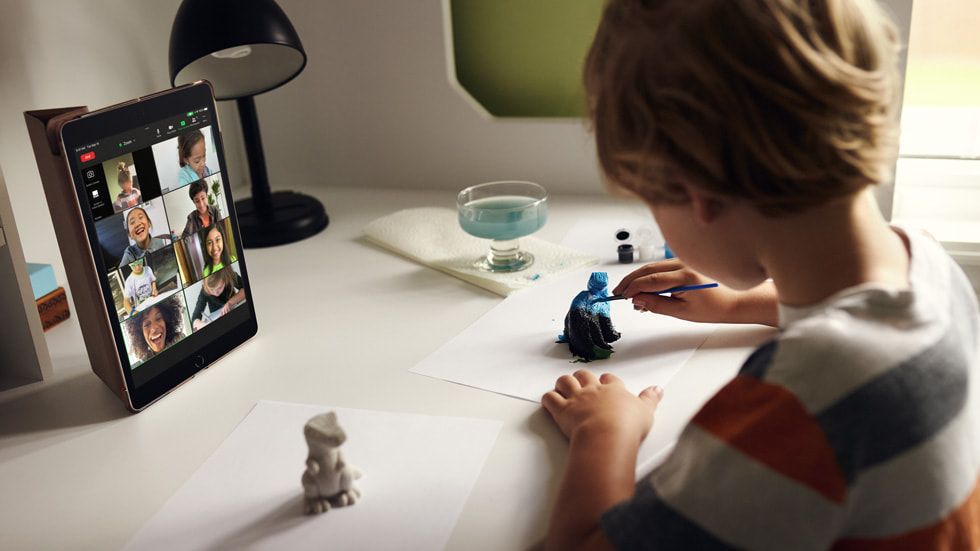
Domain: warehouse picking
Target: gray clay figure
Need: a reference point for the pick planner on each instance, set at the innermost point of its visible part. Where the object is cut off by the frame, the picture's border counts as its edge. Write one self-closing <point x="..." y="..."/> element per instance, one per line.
<point x="588" y="328"/>
<point x="327" y="481"/>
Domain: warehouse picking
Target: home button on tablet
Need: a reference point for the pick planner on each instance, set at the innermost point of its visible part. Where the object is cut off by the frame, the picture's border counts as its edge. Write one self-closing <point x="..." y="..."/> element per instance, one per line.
<point x="199" y="361"/>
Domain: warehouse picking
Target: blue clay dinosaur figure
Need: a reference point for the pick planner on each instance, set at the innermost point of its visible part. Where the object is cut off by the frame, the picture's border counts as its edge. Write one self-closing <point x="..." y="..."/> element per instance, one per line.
<point x="588" y="328"/>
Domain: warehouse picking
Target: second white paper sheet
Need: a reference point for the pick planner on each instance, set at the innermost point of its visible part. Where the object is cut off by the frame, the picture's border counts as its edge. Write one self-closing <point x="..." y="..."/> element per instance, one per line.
<point x="419" y="470"/>
<point x="511" y="350"/>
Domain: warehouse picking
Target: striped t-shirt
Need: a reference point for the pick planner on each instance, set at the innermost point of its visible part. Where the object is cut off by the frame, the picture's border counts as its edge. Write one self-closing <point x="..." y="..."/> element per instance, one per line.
<point x="858" y="427"/>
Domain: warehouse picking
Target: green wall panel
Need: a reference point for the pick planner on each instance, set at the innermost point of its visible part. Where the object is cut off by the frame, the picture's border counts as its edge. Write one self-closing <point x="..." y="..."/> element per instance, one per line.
<point x="523" y="58"/>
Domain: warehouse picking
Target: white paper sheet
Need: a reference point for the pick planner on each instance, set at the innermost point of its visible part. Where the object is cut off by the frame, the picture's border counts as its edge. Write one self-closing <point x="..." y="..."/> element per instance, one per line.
<point x="418" y="469"/>
<point x="511" y="350"/>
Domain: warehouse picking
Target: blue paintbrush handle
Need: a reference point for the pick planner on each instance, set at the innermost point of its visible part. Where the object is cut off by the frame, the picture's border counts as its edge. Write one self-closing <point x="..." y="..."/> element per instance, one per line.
<point x="688" y="288"/>
<point x="678" y="289"/>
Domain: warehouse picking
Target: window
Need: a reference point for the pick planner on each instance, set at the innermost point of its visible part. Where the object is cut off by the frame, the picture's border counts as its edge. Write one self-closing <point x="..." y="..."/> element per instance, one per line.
<point x="941" y="117"/>
<point x="938" y="174"/>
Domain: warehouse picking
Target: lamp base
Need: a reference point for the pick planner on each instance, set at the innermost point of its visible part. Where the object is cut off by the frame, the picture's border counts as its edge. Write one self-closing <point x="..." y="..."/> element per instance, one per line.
<point x="292" y="217"/>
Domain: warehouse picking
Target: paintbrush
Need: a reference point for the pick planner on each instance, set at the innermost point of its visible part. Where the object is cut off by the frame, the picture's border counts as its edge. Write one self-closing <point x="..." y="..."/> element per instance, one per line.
<point x="678" y="289"/>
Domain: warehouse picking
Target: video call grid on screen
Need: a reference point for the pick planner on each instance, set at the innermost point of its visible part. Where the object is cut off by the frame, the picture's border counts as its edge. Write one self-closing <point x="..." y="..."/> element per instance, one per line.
<point x="167" y="244"/>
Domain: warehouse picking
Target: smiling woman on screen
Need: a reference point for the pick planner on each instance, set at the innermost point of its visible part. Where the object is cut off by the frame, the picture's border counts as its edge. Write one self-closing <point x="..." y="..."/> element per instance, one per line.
<point x="156" y="328"/>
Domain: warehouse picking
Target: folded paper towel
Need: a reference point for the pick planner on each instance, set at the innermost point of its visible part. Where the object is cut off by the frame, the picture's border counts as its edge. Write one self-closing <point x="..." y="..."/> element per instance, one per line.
<point x="432" y="236"/>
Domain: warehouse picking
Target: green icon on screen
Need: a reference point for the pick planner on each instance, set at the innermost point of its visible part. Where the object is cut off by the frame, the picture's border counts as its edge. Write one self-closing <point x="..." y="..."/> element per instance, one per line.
<point x="190" y="113"/>
<point x="183" y="123"/>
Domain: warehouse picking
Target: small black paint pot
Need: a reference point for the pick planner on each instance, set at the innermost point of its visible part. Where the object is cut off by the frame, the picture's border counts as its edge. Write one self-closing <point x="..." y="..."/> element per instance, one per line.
<point x="625" y="254"/>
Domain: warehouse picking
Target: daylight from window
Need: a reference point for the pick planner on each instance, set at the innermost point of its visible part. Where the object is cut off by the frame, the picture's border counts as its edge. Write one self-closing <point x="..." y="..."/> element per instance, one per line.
<point x="938" y="173"/>
<point x="942" y="87"/>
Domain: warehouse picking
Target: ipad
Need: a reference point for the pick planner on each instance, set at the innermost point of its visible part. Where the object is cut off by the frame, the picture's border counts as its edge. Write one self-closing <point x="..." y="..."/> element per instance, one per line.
<point x="156" y="202"/>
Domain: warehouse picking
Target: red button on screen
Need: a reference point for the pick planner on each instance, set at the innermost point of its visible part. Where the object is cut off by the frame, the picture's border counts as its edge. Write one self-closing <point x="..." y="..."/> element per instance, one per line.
<point x="86" y="157"/>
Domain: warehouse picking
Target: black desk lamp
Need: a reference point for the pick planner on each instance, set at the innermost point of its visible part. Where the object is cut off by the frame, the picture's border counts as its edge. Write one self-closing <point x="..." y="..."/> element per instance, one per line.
<point x="245" y="48"/>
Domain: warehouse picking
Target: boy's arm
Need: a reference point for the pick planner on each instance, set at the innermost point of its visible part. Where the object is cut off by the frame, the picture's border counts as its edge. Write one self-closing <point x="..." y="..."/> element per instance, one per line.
<point x="759" y="305"/>
<point x="599" y="474"/>
<point x="718" y="305"/>
<point x="605" y="425"/>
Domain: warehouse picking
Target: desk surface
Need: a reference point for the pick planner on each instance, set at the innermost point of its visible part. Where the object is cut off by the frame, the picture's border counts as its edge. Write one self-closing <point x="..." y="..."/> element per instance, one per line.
<point x="77" y="471"/>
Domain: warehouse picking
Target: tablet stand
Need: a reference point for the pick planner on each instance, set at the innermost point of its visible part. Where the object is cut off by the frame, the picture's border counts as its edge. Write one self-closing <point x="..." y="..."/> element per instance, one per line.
<point x="44" y="128"/>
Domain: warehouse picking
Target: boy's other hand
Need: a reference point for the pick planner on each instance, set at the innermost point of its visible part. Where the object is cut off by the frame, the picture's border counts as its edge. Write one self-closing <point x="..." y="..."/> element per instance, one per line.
<point x="718" y="305"/>
<point x="584" y="402"/>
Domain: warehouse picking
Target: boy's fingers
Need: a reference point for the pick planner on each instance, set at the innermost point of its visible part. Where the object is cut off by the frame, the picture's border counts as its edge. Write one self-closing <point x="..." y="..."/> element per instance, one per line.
<point x="585" y="377"/>
<point x="655" y="267"/>
<point x="553" y="402"/>
<point x="652" y="394"/>
<point x="639" y="272"/>
<point x="659" y="282"/>
<point x="566" y="385"/>
<point x="668" y="306"/>
<point x="609" y="378"/>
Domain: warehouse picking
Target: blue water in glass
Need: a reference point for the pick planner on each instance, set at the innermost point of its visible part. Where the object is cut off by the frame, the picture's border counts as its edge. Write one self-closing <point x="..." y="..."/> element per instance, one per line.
<point x="503" y="217"/>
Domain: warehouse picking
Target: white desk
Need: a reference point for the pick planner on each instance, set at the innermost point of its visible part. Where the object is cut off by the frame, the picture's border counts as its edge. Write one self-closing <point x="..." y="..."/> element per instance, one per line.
<point x="340" y="323"/>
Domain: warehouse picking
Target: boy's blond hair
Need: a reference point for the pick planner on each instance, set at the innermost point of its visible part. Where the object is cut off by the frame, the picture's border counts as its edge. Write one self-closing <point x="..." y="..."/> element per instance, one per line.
<point x="786" y="104"/>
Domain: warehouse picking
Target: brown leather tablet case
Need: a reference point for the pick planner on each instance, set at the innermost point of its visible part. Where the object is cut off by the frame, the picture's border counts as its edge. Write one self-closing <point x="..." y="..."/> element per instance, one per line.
<point x="44" y="128"/>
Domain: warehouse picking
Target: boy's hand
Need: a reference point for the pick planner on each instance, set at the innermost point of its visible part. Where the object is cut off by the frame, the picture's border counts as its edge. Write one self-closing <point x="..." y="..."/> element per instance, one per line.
<point x="605" y="425"/>
<point x="717" y="305"/>
<point x="583" y="402"/>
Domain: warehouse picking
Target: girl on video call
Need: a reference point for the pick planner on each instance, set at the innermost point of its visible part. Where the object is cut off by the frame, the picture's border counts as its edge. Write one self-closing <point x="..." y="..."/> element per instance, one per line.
<point x="220" y="292"/>
<point x="193" y="157"/>
<point x="129" y="196"/>
<point x="216" y="255"/>
<point x="156" y="328"/>
<point x="203" y="215"/>
<point x="140" y="230"/>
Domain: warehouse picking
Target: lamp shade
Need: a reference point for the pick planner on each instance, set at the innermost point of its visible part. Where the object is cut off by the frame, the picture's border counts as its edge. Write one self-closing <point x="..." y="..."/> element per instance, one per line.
<point x="243" y="47"/>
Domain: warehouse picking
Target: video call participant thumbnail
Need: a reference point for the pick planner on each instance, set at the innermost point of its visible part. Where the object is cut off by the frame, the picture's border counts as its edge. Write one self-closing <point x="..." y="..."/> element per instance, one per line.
<point x="219" y="293"/>
<point x="131" y="179"/>
<point x="193" y="156"/>
<point x="140" y="285"/>
<point x="216" y="247"/>
<point x="129" y="195"/>
<point x="183" y="159"/>
<point x="140" y="230"/>
<point x="151" y="331"/>
<point x="204" y="215"/>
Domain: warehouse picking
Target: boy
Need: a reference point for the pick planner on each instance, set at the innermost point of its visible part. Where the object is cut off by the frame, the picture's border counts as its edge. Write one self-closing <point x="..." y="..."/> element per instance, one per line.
<point x="203" y="215"/>
<point x="139" y="286"/>
<point x="754" y="129"/>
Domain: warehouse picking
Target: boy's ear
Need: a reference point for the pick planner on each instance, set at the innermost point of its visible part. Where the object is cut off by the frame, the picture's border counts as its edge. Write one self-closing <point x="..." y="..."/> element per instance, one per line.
<point x="707" y="209"/>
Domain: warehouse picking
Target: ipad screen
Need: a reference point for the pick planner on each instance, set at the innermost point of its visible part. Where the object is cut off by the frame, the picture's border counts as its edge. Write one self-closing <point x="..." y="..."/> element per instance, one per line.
<point x="160" y="206"/>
